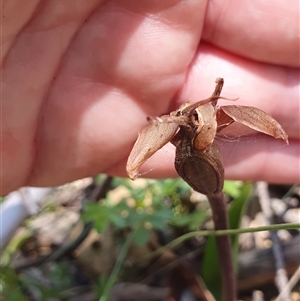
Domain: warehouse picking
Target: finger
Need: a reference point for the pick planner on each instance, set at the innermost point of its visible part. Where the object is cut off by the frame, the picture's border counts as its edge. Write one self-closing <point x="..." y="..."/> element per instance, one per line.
<point x="35" y="40"/>
<point x="126" y="63"/>
<point x="261" y="158"/>
<point x="261" y="30"/>
<point x="15" y="15"/>
<point x="273" y="89"/>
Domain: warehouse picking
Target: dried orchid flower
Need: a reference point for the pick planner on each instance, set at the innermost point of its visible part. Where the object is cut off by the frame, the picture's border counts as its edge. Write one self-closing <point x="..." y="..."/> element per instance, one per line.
<point x="203" y="120"/>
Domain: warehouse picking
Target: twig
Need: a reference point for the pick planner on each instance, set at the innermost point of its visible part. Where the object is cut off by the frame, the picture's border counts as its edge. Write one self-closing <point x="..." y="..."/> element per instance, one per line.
<point x="257" y="296"/>
<point x="292" y="282"/>
<point x="57" y="254"/>
<point x="281" y="279"/>
<point x="101" y="189"/>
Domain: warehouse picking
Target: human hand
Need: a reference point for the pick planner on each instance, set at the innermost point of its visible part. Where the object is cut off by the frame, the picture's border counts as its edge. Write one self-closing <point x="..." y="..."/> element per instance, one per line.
<point x="79" y="79"/>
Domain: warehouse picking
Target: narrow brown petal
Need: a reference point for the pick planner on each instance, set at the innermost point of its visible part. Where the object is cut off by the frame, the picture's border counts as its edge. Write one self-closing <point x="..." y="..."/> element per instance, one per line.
<point x="256" y="119"/>
<point x="150" y="139"/>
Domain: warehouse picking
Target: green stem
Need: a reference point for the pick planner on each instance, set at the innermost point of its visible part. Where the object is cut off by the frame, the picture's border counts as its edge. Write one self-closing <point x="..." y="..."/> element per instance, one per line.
<point x="192" y="234"/>
<point x="118" y="265"/>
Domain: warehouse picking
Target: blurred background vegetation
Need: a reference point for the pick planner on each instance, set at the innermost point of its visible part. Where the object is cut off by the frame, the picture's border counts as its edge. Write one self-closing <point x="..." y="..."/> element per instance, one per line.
<point x="96" y="234"/>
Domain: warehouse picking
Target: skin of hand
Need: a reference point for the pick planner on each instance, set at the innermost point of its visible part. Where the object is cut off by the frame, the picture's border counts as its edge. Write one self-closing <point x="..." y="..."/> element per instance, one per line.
<point x="80" y="77"/>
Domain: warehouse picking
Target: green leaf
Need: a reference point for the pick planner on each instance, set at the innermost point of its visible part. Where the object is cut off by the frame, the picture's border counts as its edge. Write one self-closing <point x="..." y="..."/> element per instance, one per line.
<point x="10" y="285"/>
<point x="235" y="214"/>
<point x="210" y="268"/>
<point x="99" y="287"/>
<point x="181" y="220"/>
<point x="232" y="188"/>
<point x="97" y="214"/>
<point x="119" y="215"/>
<point x="197" y="218"/>
<point x="190" y="220"/>
<point x="158" y="219"/>
<point x="138" y="194"/>
<point x="141" y="236"/>
<point x="118" y="221"/>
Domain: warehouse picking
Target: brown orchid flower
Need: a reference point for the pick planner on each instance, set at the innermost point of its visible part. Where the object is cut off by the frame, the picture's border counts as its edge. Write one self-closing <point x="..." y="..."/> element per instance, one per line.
<point x="202" y="120"/>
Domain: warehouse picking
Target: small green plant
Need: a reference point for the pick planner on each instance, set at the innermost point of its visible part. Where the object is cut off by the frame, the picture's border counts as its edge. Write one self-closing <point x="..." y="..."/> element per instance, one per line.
<point x="13" y="285"/>
<point x="151" y="205"/>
